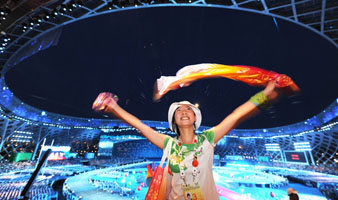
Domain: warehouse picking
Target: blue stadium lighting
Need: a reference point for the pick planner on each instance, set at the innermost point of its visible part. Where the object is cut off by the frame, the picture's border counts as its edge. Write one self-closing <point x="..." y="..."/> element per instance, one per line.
<point x="19" y="140"/>
<point x="73" y="4"/>
<point x="24" y="132"/>
<point x="159" y="127"/>
<point x="222" y="141"/>
<point x="30" y="115"/>
<point x="63" y="8"/>
<point x="272" y="147"/>
<point x="84" y="127"/>
<point x="110" y="6"/>
<point x="47" y="16"/>
<point x="110" y="130"/>
<point x="21" y="136"/>
<point x="231" y="136"/>
<point x="56" y="148"/>
<point x="55" y="12"/>
<point x="43" y="113"/>
<point x="302" y="146"/>
<point x="304" y="132"/>
<point x="253" y="137"/>
<point x="280" y="136"/>
<point x="106" y="144"/>
<point x="70" y="8"/>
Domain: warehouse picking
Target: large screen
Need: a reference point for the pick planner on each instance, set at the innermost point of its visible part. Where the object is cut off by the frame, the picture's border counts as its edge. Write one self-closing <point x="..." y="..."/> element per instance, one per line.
<point x="296" y="157"/>
<point x="89" y="155"/>
<point x="58" y="152"/>
<point x="106" y="145"/>
<point x="263" y="158"/>
<point x="16" y="157"/>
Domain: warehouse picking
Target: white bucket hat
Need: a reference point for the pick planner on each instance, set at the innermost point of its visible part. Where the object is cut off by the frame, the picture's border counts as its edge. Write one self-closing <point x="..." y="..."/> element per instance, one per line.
<point x="173" y="108"/>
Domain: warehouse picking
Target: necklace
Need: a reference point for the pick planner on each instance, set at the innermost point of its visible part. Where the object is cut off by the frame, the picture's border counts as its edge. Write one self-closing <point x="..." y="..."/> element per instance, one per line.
<point x="196" y="153"/>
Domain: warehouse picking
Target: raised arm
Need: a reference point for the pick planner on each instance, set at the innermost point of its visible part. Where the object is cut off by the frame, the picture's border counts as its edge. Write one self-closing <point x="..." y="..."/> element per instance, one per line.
<point x="106" y="103"/>
<point x="244" y="112"/>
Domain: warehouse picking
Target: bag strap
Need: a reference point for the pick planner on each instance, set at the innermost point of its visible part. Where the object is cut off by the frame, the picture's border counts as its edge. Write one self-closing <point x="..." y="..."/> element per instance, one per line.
<point x="166" y="152"/>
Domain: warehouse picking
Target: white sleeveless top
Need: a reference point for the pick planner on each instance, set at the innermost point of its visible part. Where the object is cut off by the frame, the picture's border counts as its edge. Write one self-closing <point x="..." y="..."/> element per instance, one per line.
<point x="205" y="145"/>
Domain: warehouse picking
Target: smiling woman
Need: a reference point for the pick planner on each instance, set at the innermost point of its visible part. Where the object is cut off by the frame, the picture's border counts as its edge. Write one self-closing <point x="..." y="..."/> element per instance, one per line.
<point x="181" y="113"/>
<point x="127" y="51"/>
<point x="191" y="155"/>
<point x="56" y="56"/>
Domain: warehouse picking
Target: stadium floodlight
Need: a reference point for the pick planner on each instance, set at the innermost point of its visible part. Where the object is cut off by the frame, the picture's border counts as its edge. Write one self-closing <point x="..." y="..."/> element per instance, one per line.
<point x="110" y="5"/>
<point x="47" y="16"/>
<point x="24" y="132"/>
<point x="272" y="147"/>
<point x="55" y="12"/>
<point x="73" y="4"/>
<point x="302" y="146"/>
<point x="80" y="3"/>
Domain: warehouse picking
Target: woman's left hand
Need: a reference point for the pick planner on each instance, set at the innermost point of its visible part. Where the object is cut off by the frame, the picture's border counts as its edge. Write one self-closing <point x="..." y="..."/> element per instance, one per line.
<point x="271" y="92"/>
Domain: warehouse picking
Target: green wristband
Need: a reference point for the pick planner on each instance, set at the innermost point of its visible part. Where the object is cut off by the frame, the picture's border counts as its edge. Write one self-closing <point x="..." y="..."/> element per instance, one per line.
<point x="260" y="100"/>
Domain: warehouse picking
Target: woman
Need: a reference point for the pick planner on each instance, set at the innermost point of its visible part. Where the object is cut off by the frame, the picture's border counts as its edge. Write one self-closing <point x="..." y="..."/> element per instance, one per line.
<point x="191" y="156"/>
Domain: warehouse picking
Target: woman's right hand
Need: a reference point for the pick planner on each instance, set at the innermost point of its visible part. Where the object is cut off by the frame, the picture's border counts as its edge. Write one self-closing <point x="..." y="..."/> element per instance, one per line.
<point x="104" y="101"/>
<point x="107" y="102"/>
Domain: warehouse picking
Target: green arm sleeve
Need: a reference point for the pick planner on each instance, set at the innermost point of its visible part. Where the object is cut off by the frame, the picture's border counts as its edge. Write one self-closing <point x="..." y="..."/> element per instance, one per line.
<point x="210" y="134"/>
<point x="166" y="140"/>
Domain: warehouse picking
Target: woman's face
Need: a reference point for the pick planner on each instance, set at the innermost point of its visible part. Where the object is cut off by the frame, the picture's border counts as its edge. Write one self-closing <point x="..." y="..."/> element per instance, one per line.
<point x="184" y="116"/>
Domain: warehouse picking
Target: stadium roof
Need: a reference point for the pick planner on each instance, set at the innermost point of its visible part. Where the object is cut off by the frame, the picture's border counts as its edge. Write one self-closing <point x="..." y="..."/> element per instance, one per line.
<point x="298" y="38"/>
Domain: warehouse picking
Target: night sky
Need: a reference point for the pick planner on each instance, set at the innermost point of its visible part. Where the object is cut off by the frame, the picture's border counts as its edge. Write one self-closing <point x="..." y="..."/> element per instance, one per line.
<point x="125" y="52"/>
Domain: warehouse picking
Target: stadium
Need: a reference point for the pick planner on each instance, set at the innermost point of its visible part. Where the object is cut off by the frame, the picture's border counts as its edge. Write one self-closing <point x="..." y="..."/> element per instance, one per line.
<point x="58" y="55"/>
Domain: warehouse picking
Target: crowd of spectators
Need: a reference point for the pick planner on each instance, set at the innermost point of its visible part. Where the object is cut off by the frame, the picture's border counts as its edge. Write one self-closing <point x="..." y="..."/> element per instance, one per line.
<point x="326" y="169"/>
<point x="329" y="190"/>
<point x="39" y="191"/>
<point x="6" y="166"/>
<point x="137" y="149"/>
<point x="123" y="155"/>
